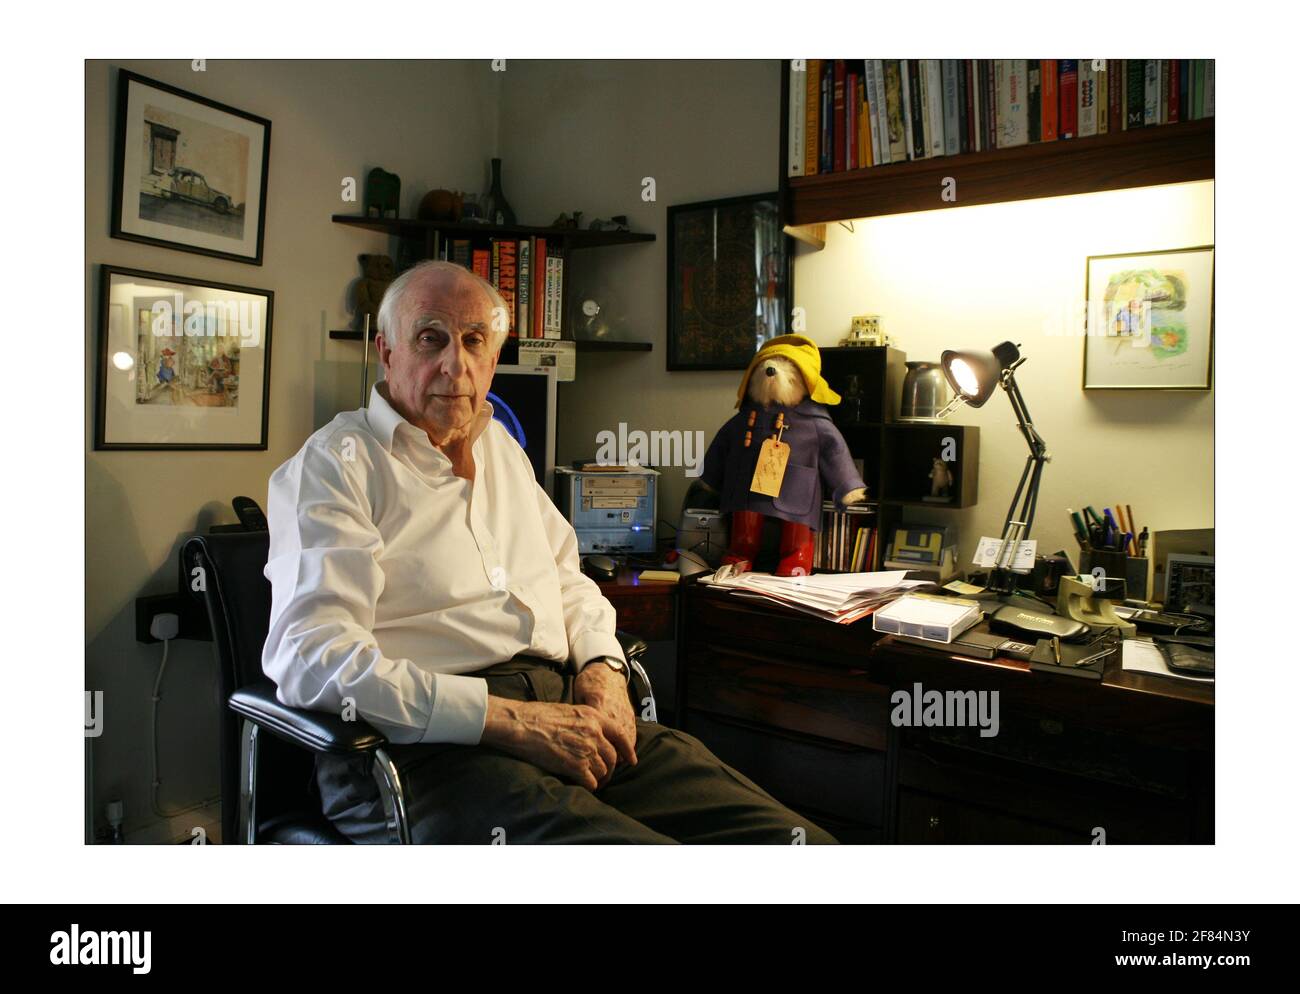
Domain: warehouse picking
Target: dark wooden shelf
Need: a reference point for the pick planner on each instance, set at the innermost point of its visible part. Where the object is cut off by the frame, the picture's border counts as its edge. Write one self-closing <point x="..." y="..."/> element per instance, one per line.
<point x="573" y="238"/>
<point x="1170" y="153"/>
<point x="600" y="345"/>
<point x="347" y="335"/>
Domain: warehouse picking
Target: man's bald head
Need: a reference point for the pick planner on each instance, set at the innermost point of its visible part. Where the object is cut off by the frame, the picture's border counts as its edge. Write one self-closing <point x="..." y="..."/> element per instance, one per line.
<point x="438" y="343"/>
<point x="443" y="274"/>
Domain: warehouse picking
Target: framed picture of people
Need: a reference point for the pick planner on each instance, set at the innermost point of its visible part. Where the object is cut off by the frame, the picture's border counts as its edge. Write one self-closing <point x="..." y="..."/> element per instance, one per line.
<point x="191" y="173"/>
<point x="182" y="363"/>
<point x="728" y="281"/>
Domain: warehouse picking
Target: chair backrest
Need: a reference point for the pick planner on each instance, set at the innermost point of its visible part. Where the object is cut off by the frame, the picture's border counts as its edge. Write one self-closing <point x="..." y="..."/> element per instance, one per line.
<point x="238" y="601"/>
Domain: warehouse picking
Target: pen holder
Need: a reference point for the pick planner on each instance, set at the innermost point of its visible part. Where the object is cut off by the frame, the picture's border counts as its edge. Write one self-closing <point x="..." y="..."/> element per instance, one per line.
<point x="1117" y="566"/>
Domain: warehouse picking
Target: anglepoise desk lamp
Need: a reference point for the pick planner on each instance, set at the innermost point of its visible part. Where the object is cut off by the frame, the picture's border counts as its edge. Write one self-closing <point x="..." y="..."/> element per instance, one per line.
<point x="973" y="376"/>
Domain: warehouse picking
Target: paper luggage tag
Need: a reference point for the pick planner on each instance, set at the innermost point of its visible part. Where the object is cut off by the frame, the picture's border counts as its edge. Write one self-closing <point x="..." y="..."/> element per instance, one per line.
<point x="770" y="470"/>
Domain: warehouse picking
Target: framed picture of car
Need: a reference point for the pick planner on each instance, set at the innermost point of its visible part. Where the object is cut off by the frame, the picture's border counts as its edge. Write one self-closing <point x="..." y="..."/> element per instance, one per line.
<point x="182" y="364"/>
<point x="191" y="173"/>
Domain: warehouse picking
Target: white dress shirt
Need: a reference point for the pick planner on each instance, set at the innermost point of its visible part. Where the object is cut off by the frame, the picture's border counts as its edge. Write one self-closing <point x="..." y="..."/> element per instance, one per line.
<point x="393" y="579"/>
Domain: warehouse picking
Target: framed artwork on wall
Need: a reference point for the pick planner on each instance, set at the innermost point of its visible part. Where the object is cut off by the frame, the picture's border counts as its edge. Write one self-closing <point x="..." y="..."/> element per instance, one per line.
<point x="183" y="364"/>
<point x="190" y="172"/>
<point x="1149" y="320"/>
<point x="728" y="281"/>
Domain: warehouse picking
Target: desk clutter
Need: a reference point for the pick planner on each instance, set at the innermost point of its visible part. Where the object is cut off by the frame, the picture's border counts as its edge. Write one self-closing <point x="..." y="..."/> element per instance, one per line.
<point x="838" y="597"/>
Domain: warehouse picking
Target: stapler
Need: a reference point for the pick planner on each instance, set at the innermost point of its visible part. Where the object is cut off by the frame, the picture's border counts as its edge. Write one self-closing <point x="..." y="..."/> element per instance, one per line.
<point x="1075" y="599"/>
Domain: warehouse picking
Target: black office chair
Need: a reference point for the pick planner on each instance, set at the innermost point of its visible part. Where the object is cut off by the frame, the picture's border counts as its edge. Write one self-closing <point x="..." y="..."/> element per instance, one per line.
<point x="272" y="775"/>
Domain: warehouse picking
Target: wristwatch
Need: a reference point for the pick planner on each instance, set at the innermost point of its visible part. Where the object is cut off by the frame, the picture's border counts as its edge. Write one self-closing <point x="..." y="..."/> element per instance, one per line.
<point x="617" y="665"/>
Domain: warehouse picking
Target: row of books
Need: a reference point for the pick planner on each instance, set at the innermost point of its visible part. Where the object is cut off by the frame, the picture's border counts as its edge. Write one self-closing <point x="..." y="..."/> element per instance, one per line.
<point x="856" y="113"/>
<point x="847" y="539"/>
<point x="527" y="272"/>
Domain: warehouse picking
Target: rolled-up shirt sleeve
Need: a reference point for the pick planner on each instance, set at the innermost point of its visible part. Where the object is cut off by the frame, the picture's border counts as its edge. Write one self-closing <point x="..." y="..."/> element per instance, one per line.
<point x="589" y="618"/>
<point x="326" y="581"/>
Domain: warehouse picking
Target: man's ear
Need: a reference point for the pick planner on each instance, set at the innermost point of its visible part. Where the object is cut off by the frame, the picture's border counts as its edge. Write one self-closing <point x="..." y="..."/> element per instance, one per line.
<point x="384" y="350"/>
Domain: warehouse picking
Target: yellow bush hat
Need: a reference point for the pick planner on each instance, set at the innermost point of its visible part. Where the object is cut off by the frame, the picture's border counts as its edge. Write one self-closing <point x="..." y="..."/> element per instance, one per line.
<point x="803" y="353"/>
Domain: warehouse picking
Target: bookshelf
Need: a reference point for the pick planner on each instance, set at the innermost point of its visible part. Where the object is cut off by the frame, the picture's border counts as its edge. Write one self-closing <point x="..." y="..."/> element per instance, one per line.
<point x="424" y="239"/>
<point x="896" y="455"/>
<point x="1150" y="156"/>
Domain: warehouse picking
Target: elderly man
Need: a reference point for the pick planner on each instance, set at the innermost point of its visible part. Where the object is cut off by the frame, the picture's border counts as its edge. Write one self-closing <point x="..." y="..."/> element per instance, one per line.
<point x="421" y="575"/>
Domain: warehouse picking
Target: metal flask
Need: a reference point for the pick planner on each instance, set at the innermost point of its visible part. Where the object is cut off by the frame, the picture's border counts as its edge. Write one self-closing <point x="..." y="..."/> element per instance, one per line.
<point x="925" y="392"/>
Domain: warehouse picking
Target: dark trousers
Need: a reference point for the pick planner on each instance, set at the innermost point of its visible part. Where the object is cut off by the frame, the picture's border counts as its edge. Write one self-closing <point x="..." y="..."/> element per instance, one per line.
<point x="677" y="792"/>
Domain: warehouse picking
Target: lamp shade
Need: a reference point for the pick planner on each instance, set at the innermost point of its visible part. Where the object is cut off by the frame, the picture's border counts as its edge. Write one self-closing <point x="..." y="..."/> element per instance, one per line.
<point x="974" y="374"/>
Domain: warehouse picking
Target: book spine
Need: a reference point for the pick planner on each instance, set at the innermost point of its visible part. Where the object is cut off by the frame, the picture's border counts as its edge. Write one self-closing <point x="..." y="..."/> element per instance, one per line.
<point x="482" y="263"/>
<point x="825" y="155"/>
<point x="1050" y="100"/>
<point x="1162" y="98"/>
<point x="460" y="253"/>
<point x="508" y="280"/>
<point x="905" y="88"/>
<point x="1134" y="85"/>
<point x="796" y="96"/>
<point x="991" y="105"/>
<point x="951" y="108"/>
<point x="1175" y="107"/>
<point x="850" y="119"/>
<point x="524" y="296"/>
<point x="866" y="153"/>
<point x="837" y="117"/>
<point x="1013" y="118"/>
<point x="1102" y="79"/>
<point x="1150" y="92"/>
<point x="963" y="99"/>
<point x="1034" y="98"/>
<point x="539" y="288"/>
<point x="917" y="108"/>
<point x="878" y="152"/>
<point x="1198" y="89"/>
<point x="977" y="107"/>
<point x="812" y="111"/>
<point x="1184" y="107"/>
<point x="895" y="115"/>
<point x="1115" y="94"/>
<point x="496" y="263"/>
<point x="1087" y="100"/>
<point x="1068" y="88"/>
<point x="937" y="139"/>
<point x="1208" y="105"/>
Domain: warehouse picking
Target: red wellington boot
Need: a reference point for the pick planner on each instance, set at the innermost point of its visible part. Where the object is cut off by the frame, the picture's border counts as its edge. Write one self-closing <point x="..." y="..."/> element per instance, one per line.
<point x="746" y="536"/>
<point x="796" y="549"/>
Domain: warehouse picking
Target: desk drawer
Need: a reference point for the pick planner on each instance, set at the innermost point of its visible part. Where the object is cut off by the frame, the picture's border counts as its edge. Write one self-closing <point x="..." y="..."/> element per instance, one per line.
<point x="841" y="705"/>
<point x="843" y="781"/>
<point x="647" y="617"/>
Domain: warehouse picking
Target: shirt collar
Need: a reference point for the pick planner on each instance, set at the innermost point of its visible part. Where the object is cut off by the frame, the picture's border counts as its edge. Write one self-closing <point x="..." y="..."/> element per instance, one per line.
<point x="385" y="422"/>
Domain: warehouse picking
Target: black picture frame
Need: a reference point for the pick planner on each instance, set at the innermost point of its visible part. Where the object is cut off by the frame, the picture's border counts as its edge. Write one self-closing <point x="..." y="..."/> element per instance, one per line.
<point x="709" y="324"/>
<point x="106" y="274"/>
<point x="201" y="202"/>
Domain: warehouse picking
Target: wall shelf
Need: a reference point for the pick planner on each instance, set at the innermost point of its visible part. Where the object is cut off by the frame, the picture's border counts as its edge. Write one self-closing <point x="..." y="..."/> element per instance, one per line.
<point x="573" y="238"/>
<point x="1152" y="156"/>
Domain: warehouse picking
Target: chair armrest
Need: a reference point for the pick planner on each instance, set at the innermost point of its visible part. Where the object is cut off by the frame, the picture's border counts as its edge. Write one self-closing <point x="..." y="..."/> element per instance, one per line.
<point x="632" y="646"/>
<point x="316" y="731"/>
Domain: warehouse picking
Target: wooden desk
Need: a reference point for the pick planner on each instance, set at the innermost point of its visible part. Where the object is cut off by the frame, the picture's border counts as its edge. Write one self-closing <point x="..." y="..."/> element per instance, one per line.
<point x="803" y="707"/>
<point x="645" y="608"/>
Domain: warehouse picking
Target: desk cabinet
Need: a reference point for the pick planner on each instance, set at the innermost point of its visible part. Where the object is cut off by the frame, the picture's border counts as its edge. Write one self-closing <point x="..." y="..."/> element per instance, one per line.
<point x="802" y="707"/>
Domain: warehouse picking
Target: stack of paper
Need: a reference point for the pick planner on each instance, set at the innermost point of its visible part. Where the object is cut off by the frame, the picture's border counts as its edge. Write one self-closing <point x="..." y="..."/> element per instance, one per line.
<point x="838" y="597"/>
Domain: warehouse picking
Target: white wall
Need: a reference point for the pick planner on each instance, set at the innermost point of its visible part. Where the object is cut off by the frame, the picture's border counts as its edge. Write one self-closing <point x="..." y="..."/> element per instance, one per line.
<point x="582" y="136"/>
<point x="434" y="125"/>
<point x="976" y="276"/>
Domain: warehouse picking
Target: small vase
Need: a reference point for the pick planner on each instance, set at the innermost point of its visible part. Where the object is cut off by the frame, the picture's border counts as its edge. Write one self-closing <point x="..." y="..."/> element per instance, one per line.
<point x="498" y="208"/>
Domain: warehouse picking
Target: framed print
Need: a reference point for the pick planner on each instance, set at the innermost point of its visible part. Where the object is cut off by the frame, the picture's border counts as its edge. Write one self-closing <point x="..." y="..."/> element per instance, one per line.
<point x="182" y="364"/>
<point x="1150" y="320"/>
<point x="728" y="281"/>
<point x="191" y="173"/>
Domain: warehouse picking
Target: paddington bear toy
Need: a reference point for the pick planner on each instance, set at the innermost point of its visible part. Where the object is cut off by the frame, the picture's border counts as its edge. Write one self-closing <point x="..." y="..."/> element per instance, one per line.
<point x="783" y="401"/>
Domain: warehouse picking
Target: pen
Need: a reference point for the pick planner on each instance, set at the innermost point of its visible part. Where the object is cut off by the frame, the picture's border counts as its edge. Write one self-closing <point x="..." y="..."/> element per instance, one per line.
<point x="1056" y="648"/>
